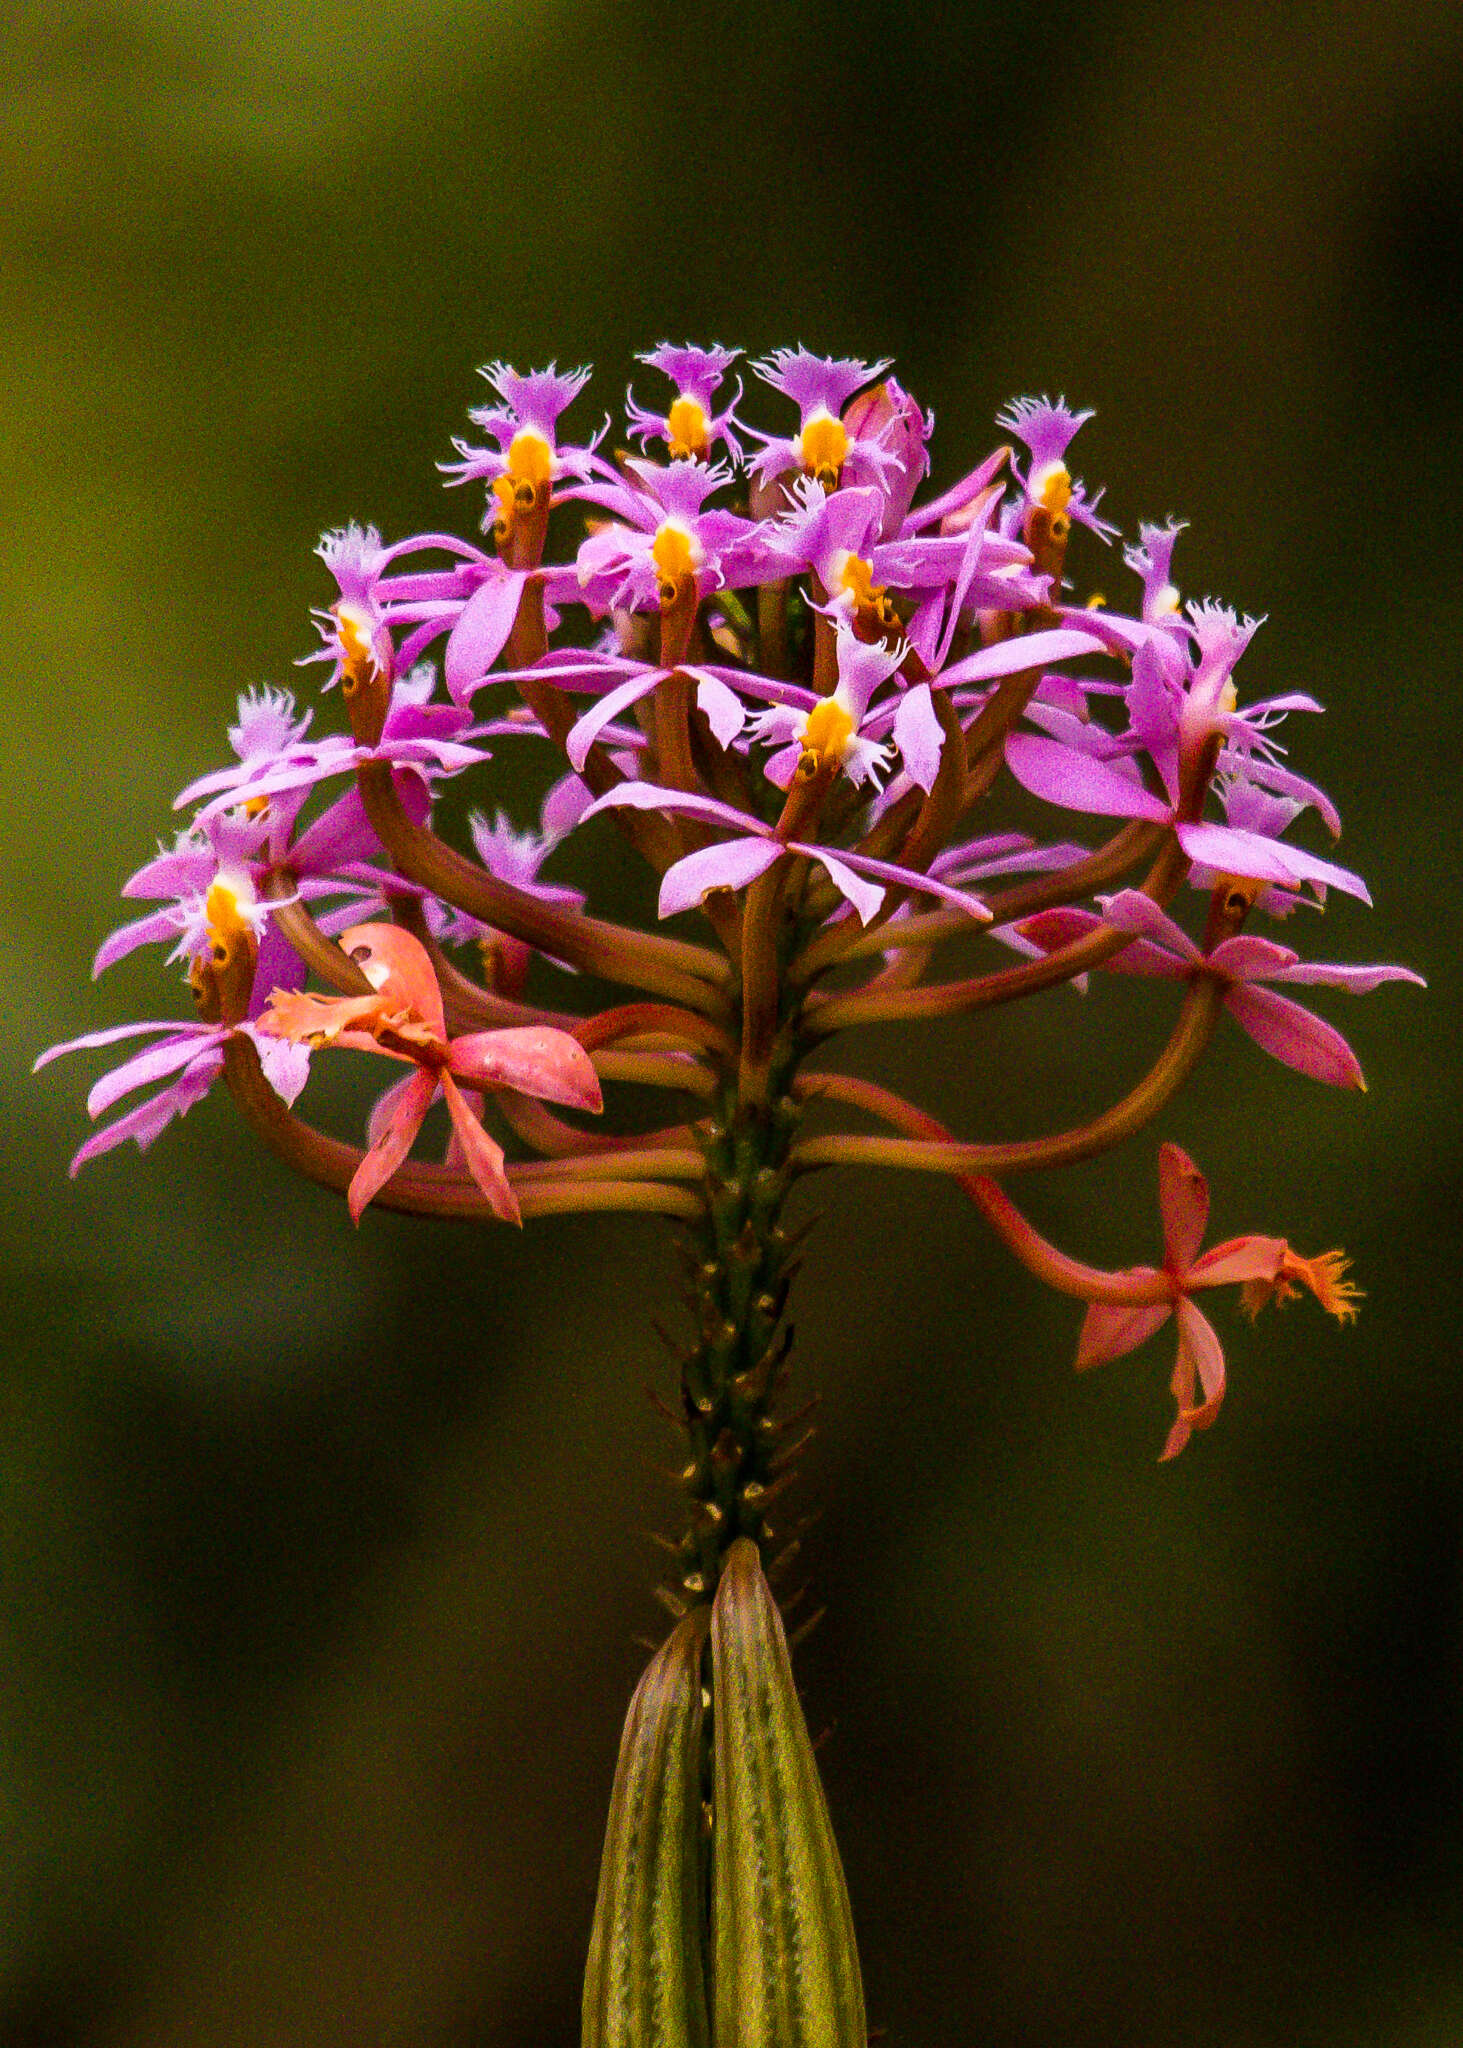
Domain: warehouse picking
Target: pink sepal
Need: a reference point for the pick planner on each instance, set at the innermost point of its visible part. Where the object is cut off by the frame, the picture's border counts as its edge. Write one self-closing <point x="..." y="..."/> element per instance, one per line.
<point x="535" y="1059"/>
<point x="1113" y="1330"/>
<point x="1183" y="1200"/>
<point x="483" y="1157"/>
<point x="1290" y="1033"/>
<point x="391" y="1148"/>
<point x="1200" y="1360"/>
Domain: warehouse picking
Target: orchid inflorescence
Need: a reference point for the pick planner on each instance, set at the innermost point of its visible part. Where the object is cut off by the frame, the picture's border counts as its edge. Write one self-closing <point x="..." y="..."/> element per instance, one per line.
<point x="791" y="684"/>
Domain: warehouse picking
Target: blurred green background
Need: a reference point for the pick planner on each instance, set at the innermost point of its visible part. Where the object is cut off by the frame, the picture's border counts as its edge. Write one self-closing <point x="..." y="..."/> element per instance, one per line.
<point x="323" y="1552"/>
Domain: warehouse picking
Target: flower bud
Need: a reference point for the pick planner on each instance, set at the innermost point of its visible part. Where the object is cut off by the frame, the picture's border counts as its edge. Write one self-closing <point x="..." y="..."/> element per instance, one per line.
<point x="646" y="1978"/>
<point x="784" y="1966"/>
<point x="889" y="415"/>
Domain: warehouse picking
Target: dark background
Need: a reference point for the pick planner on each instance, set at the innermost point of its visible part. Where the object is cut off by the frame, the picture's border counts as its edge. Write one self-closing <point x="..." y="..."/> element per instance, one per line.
<point x="323" y="1552"/>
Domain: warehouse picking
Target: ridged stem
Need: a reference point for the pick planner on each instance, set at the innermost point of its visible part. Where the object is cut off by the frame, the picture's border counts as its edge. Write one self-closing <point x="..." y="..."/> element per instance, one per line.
<point x="740" y="1265"/>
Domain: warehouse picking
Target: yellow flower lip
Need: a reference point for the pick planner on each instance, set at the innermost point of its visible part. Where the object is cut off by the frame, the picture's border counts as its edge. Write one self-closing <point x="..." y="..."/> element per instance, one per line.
<point x="827" y="732"/>
<point x="856" y="576"/>
<point x="1051" y="486"/>
<point x="353" y="627"/>
<point x="687" y="430"/>
<point x="677" y="556"/>
<point x="530" y="459"/>
<point x="224" y="907"/>
<point x="823" y="447"/>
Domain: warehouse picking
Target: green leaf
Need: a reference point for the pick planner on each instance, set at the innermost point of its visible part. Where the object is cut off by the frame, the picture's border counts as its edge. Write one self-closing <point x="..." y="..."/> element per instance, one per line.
<point x="785" y="1969"/>
<point x="646" y="1978"/>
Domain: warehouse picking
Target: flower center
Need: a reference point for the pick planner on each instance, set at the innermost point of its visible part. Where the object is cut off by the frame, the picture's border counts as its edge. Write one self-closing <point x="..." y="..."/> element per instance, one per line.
<point x="224" y="973"/>
<point x="676" y="554"/>
<point x="826" y="734"/>
<point x="1051" y="487"/>
<point x="686" y="428"/>
<point x="856" y="576"/>
<point x="823" y="446"/>
<point x="872" y="609"/>
<point x="530" y="458"/>
<point x="222" y="911"/>
<point x="353" y="628"/>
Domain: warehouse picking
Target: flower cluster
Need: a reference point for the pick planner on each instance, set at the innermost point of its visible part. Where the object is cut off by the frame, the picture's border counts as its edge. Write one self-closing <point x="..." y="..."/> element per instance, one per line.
<point x="792" y="678"/>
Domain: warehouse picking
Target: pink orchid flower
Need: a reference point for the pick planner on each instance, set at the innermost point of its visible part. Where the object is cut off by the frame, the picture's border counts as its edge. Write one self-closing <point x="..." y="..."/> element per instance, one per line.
<point x="1163" y="950"/>
<point x="403" y="1018"/>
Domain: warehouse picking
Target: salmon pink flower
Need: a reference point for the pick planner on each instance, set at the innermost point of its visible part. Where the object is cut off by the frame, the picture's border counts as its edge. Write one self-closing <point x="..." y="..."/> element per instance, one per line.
<point x="403" y="1018"/>
<point x="1265" y="1268"/>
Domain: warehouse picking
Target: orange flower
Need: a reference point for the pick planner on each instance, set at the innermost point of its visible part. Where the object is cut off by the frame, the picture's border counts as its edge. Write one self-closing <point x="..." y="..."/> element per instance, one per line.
<point x="403" y="1018"/>
<point x="1265" y="1268"/>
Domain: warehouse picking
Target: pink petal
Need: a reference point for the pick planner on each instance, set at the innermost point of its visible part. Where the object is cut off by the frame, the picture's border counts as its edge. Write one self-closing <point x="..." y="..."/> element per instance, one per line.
<point x="1236" y="1260"/>
<point x="1264" y="860"/>
<point x="969" y="562"/>
<point x="919" y="735"/>
<point x="394" y="1143"/>
<point x="145" y="1067"/>
<point x="481" y="633"/>
<point x="285" y="1067"/>
<point x="1111" y="1330"/>
<point x="731" y="866"/>
<point x="143" y="931"/>
<point x="1250" y="958"/>
<point x="722" y="709"/>
<point x="1357" y="981"/>
<point x="583" y="735"/>
<point x="1183" y="1199"/>
<point x="534" y="1059"/>
<point x="453" y="1154"/>
<point x="144" y="1123"/>
<point x="1198" y="1338"/>
<point x="923" y="630"/>
<point x="483" y="1157"/>
<point x="1057" y="775"/>
<point x="865" y="897"/>
<point x="387" y="1106"/>
<point x="650" y="796"/>
<point x="113" y="1035"/>
<point x="1012" y="657"/>
<point x="1293" y="1035"/>
<point x="902" y="878"/>
<point x="1131" y="911"/>
<point x="1051" y="929"/>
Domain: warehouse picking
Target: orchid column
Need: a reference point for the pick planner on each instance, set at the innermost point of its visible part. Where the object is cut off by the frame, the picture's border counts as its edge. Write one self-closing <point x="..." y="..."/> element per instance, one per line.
<point x="799" y="689"/>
